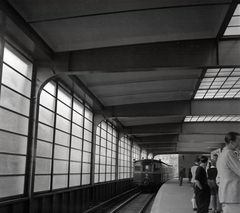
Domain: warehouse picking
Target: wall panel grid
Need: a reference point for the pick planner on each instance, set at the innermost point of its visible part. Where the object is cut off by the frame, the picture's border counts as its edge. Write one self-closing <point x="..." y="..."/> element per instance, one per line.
<point x="135" y="155"/>
<point x="16" y="82"/>
<point x="105" y="152"/>
<point x="64" y="142"/>
<point x="124" y="158"/>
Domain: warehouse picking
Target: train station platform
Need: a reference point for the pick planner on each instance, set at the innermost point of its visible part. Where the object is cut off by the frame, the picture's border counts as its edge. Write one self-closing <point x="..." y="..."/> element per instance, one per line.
<point x="172" y="198"/>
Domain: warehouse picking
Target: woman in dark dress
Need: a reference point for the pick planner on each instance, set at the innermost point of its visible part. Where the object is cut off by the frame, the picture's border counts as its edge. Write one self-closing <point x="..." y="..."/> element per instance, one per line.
<point x="202" y="190"/>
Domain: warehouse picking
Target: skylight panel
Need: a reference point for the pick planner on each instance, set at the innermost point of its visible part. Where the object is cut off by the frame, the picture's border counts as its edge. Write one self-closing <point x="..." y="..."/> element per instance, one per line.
<point x="219" y="83"/>
<point x="213" y="118"/>
<point x="233" y="28"/>
<point x="236" y="72"/>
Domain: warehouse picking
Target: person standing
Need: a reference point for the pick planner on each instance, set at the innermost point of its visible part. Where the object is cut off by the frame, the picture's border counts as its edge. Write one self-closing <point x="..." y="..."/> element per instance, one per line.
<point x="202" y="190"/>
<point x="181" y="174"/>
<point x="228" y="166"/>
<point x="193" y="182"/>
<point x="212" y="174"/>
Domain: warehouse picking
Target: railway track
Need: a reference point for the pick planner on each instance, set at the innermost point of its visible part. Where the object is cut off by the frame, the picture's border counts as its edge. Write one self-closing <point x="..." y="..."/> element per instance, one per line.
<point x="138" y="203"/>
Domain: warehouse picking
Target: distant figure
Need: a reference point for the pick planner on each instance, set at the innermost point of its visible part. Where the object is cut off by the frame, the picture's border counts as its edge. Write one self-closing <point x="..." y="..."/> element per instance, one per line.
<point x="181" y="174"/>
<point x="193" y="182"/>
<point x="189" y="175"/>
<point x="212" y="174"/>
<point x="202" y="189"/>
<point x="228" y="166"/>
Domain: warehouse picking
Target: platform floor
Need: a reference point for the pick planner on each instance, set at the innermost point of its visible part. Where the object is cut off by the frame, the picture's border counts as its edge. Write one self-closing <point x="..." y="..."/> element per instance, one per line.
<point x="172" y="198"/>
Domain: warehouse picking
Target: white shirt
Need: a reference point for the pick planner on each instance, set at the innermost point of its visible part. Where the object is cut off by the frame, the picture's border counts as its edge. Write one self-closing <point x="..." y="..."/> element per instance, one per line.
<point x="228" y="167"/>
<point x="193" y="171"/>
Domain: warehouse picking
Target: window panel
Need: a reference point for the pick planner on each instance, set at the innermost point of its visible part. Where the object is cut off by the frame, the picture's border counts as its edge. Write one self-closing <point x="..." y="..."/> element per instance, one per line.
<point x="77" y="130"/>
<point x="75" y="180"/>
<point x="102" y="159"/>
<point x="61" y="152"/>
<point x="43" y="166"/>
<point x="85" y="179"/>
<point x="16" y="81"/>
<point x="63" y="110"/>
<point x="87" y="125"/>
<point x="86" y="157"/>
<point x="88" y="114"/>
<point x="103" y="142"/>
<point x="60" y="167"/>
<point x="10" y="186"/>
<point x="75" y="167"/>
<point x="96" y="168"/>
<point x="13" y="122"/>
<point x="109" y="161"/>
<point x="64" y="96"/>
<point x="46" y="116"/>
<point x="96" y="178"/>
<point x="87" y="135"/>
<point x="108" y="177"/>
<point x="76" y="155"/>
<point x="13" y="101"/>
<point x="97" y="149"/>
<point x="17" y="61"/>
<point x="77" y="106"/>
<point x="60" y="181"/>
<point x="50" y="87"/>
<point x="76" y="143"/>
<point x="45" y="132"/>
<point x="103" y="151"/>
<point x="63" y="124"/>
<point x="86" y="168"/>
<point x="62" y="138"/>
<point x="47" y="100"/>
<point x="42" y="183"/>
<point x="104" y="134"/>
<point x="97" y="160"/>
<point x="11" y="143"/>
<point x="12" y="164"/>
<point x="87" y="146"/>
<point x="108" y="169"/>
<point x="44" y="149"/>
<point x="77" y="118"/>
<point x="102" y="177"/>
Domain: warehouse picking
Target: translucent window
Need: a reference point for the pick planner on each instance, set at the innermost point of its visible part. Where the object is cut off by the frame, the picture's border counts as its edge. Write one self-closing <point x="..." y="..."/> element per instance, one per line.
<point x="105" y="153"/>
<point x="233" y="28"/>
<point x="124" y="158"/>
<point x="14" y="112"/>
<point x="68" y="139"/>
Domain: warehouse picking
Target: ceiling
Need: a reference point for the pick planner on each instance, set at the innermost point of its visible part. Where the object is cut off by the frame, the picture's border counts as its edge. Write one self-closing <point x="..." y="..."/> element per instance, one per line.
<point x="141" y="62"/>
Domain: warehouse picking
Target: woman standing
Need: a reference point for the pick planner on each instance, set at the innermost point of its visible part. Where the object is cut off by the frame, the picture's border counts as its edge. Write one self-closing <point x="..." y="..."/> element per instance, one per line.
<point x="203" y="191"/>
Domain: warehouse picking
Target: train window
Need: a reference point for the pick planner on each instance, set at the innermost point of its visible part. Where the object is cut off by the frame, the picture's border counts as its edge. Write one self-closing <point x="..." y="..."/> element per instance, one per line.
<point x="147" y="168"/>
<point x="137" y="168"/>
<point x="157" y="167"/>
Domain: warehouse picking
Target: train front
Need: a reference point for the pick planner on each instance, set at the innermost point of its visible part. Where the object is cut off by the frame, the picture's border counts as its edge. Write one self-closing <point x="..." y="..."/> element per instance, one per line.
<point x="147" y="174"/>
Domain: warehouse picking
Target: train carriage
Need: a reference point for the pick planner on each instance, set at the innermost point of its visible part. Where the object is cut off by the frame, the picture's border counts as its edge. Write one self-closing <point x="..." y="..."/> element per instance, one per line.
<point x="151" y="174"/>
